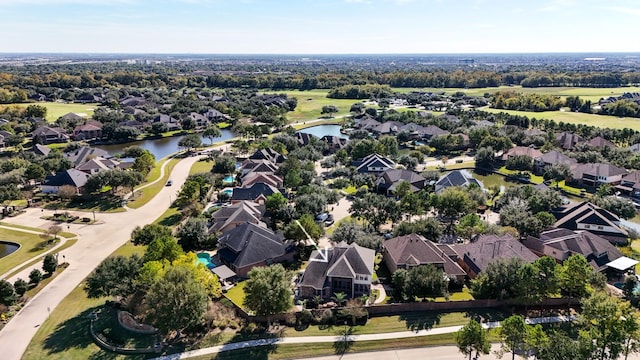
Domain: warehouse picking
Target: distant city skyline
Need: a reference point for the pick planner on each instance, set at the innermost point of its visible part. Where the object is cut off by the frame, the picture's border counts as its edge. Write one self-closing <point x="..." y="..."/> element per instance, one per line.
<point x="318" y="26"/>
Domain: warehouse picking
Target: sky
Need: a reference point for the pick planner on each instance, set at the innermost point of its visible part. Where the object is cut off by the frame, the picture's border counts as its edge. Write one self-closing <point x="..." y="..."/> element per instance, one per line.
<point x="319" y="26"/>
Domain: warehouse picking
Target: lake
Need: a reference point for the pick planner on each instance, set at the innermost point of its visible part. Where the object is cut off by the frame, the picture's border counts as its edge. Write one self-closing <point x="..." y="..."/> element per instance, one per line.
<point x="7" y="248"/>
<point x="324" y="130"/>
<point x="162" y="147"/>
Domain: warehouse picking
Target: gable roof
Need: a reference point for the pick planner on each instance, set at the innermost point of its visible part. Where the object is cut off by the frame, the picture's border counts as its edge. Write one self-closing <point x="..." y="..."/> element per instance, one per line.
<point x="601" y="142"/>
<point x="522" y="150"/>
<point x="241" y="212"/>
<point x="572" y="215"/>
<point x="84" y="154"/>
<point x="250" y="244"/>
<point x="380" y="163"/>
<point x="597" y="169"/>
<point x="456" y="178"/>
<point x="344" y="261"/>
<point x="487" y="248"/>
<point x="304" y="138"/>
<point x="253" y="192"/>
<point x="98" y="163"/>
<point x="268" y="154"/>
<point x="71" y="177"/>
<point x="414" y="249"/>
<point x="41" y="149"/>
<point x="387" y="127"/>
<point x="393" y="177"/>
<point x="554" y="157"/>
<point x="567" y="140"/>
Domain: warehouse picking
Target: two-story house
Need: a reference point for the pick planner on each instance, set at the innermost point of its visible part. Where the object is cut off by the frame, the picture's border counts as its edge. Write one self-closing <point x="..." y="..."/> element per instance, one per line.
<point x="374" y="164"/>
<point x="630" y="184"/>
<point x="587" y="216"/>
<point x="597" y="174"/>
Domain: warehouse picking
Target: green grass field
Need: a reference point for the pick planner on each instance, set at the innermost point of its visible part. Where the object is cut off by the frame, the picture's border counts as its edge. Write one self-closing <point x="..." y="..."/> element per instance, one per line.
<point x="66" y="245"/>
<point x="55" y="109"/>
<point x="577" y="118"/>
<point x="201" y="166"/>
<point x="150" y="191"/>
<point x="310" y="104"/>
<point x="29" y="248"/>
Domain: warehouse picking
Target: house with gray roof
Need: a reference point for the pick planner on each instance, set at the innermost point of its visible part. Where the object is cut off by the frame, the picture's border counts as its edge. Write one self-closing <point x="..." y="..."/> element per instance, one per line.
<point x="404" y="252"/>
<point x="374" y="164"/>
<point x="85" y="153"/>
<point x="387" y="127"/>
<point x="477" y="255"/>
<point x="560" y="244"/>
<point x="630" y="184"/>
<point x="597" y="174"/>
<point x="456" y="178"/>
<point x="587" y="216"/>
<point x="268" y="154"/>
<point x="72" y="177"/>
<point x="97" y="164"/>
<point x="553" y="157"/>
<point x="257" y="192"/>
<point x="229" y="217"/>
<point x="600" y="142"/>
<point x="344" y="268"/>
<point x="250" y="245"/>
<point x="567" y="140"/>
<point x="40" y="149"/>
<point x="390" y="179"/>
<point x="49" y="135"/>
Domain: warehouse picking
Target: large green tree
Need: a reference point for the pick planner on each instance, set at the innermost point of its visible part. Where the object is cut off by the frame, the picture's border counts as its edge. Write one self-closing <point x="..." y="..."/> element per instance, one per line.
<point x="513" y="332"/>
<point x="211" y="132"/>
<point x="148" y="233"/>
<point x="472" y="337"/>
<point x="115" y="276"/>
<point x="268" y="290"/>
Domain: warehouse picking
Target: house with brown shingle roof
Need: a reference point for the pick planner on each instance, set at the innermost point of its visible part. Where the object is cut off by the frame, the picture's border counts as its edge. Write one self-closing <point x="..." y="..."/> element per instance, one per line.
<point x="88" y="131"/>
<point x="597" y="174"/>
<point x="49" y="135"/>
<point x="553" y="157"/>
<point x="403" y="252"/>
<point x="230" y="217"/>
<point x="390" y="179"/>
<point x="567" y="140"/>
<point x="600" y="142"/>
<point x="630" y="184"/>
<point x="477" y="255"/>
<point x="521" y="150"/>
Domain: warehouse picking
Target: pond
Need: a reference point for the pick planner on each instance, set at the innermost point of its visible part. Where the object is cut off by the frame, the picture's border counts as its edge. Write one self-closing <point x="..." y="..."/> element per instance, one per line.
<point x="162" y="147"/>
<point x="7" y="248"/>
<point x="324" y="130"/>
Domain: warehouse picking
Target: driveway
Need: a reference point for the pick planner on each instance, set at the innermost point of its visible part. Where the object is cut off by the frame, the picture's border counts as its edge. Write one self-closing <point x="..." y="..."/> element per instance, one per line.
<point x="95" y="243"/>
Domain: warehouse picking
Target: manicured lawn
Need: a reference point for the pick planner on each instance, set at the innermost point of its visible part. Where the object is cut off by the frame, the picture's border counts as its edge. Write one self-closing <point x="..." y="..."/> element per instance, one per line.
<point x="29" y="248"/>
<point x="593" y="94"/>
<point x="329" y="231"/>
<point x="201" y="166"/>
<point x="67" y="244"/>
<point x="310" y="104"/>
<point x="577" y="118"/>
<point x="236" y="294"/>
<point x="171" y="217"/>
<point x="150" y="191"/>
<point x="334" y="121"/>
<point x="63" y="234"/>
<point x="55" y="109"/>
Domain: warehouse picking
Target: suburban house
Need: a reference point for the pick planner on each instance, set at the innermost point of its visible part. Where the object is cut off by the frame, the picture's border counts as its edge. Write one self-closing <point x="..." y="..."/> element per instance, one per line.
<point x="304" y="138"/>
<point x="171" y="122"/>
<point x="88" y="131"/>
<point x="251" y="166"/>
<point x="268" y="154"/>
<point x="553" y="157"/>
<point x="374" y="163"/>
<point x="72" y="117"/>
<point x="534" y="132"/>
<point x="390" y="179"/>
<point x="131" y="100"/>
<point x="257" y="192"/>
<point x="97" y="164"/>
<point x="567" y="140"/>
<point x="84" y="154"/>
<point x="334" y="143"/>
<point x="387" y="128"/>
<point x="600" y="142"/>
<point x="262" y="177"/>
<point x="71" y="177"/>
<point x="49" y="135"/>
<point x="367" y="124"/>
<point x="587" y="216"/>
<point x="630" y="184"/>
<point x="428" y="132"/>
<point x="250" y="245"/>
<point x="198" y="119"/>
<point x="560" y="244"/>
<point x="477" y="255"/>
<point x="635" y="148"/>
<point x="456" y="178"/>
<point x="229" y="217"/>
<point x="133" y="124"/>
<point x="519" y="151"/>
<point x="216" y="116"/>
<point x="40" y="149"/>
<point x="344" y="269"/>
<point x="403" y="252"/>
<point x="597" y="174"/>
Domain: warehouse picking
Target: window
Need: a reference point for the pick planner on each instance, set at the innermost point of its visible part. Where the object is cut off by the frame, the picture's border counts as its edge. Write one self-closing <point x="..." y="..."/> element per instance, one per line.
<point x="587" y="226"/>
<point x="600" y="227"/>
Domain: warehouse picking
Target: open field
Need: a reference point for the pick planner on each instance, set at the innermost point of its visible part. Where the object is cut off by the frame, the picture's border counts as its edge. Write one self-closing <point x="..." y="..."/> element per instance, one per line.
<point x="56" y="109"/>
<point x="593" y="94"/>
<point x="577" y="118"/>
<point x="28" y="249"/>
<point x="66" y="245"/>
<point x="201" y="166"/>
<point x="310" y="104"/>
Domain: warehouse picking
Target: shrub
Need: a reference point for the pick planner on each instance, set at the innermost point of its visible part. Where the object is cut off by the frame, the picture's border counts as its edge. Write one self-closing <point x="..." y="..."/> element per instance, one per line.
<point x="35" y="276"/>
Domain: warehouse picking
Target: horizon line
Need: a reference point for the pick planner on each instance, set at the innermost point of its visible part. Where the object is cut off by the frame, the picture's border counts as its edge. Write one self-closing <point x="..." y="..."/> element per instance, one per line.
<point x="312" y="54"/>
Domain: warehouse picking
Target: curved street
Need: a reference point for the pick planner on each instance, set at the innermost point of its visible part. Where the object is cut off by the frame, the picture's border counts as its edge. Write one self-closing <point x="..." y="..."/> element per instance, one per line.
<point x="95" y="243"/>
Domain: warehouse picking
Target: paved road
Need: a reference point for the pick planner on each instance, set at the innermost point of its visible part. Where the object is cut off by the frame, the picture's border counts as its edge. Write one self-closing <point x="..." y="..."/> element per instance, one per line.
<point x="95" y="243"/>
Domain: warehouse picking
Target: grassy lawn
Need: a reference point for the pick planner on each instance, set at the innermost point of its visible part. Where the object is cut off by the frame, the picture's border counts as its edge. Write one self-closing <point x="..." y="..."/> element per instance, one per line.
<point x="201" y="166"/>
<point x="236" y="294"/>
<point x="593" y="94"/>
<point x="350" y="190"/>
<point x="577" y="118"/>
<point x="29" y="248"/>
<point x="56" y="109"/>
<point x="310" y="104"/>
<point x="171" y="217"/>
<point x="67" y="244"/>
<point x="63" y="234"/>
<point x="145" y="195"/>
<point x="334" y="121"/>
<point x="536" y="179"/>
<point x="329" y="231"/>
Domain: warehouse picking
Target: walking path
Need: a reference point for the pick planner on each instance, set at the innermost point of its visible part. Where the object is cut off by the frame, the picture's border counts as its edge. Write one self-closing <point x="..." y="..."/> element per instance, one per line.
<point x="95" y="243"/>
<point x="354" y="338"/>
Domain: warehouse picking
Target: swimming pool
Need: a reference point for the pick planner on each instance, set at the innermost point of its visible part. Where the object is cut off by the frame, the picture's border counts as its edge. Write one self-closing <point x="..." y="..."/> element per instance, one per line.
<point x="229" y="179"/>
<point x="205" y="259"/>
<point x="228" y="191"/>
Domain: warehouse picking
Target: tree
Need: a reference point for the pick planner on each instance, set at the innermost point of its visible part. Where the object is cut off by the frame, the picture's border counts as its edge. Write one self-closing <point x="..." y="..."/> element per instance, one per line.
<point x="148" y="233"/>
<point x="513" y="332"/>
<point x="163" y="248"/>
<point x="49" y="264"/>
<point x="622" y="207"/>
<point x="114" y="276"/>
<point x="144" y="163"/>
<point x="520" y="162"/>
<point x="35" y="276"/>
<point x="20" y="286"/>
<point x="67" y="192"/>
<point x="193" y="235"/>
<point x="485" y="157"/>
<point x="267" y="291"/>
<point x="294" y="230"/>
<point x="353" y="310"/>
<point x="574" y="276"/>
<point x="472" y="338"/>
<point x="176" y="301"/>
<point x="7" y="293"/>
<point x="190" y="142"/>
<point x="35" y="110"/>
<point x="35" y="172"/>
<point x="603" y="317"/>
<point x="500" y="280"/>
<point x="557" y="173"/>
<point x="350" y="232"/>
<point x="211" y="132"/>
<point x="339" y="298"/>
<point x="329" y="109"/>
<point x="376" y="209"/>
<point x="159" y="128"/>
<point x="453" y="202"/>
<point x="224" y="165"/>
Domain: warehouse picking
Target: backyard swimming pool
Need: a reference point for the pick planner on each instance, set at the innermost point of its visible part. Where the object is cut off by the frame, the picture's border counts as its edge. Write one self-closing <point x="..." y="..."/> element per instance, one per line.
<point x="205" y="259"/>
<point x="228" y="191"/>
<point x="229" y="179"/>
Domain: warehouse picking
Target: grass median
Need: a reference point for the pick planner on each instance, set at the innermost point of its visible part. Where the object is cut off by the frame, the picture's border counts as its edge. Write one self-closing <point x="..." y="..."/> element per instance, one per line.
<point x="145" y="195"/>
